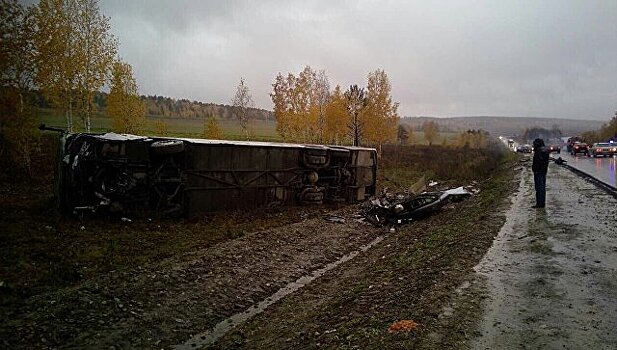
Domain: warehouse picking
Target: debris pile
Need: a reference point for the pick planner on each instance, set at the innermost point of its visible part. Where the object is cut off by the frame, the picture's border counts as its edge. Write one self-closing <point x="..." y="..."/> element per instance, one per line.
<point x="403" y="326"/>
<point x="396" y="209"/>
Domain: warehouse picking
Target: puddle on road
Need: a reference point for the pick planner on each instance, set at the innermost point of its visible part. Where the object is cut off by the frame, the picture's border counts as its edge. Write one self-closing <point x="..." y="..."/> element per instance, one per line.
<point x="221" y="328"/>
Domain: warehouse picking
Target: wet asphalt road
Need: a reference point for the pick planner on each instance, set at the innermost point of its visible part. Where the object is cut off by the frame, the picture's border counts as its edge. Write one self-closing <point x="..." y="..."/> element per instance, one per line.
<point x="550" y="276"/>
<point x="602" y="168"/>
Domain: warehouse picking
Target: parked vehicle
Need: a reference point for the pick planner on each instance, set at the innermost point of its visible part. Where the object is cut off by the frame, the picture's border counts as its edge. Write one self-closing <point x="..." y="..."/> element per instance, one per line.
<point x="603" y="149"/>
<point x="524" y="149"/>
<point x="137" y="175"/>
<point x="571" y="141"/>
<point x="579" y="147"/>
<point x="554" y="149"/>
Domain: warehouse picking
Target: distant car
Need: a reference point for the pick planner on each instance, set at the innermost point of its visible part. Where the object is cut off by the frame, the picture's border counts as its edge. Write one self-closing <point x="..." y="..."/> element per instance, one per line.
<point x="603" y="149"/>
<point x="524" y="149"/>
<point x="579" y="147"/>
<point x="571" y="141"/>
<point x="554" y="148"/>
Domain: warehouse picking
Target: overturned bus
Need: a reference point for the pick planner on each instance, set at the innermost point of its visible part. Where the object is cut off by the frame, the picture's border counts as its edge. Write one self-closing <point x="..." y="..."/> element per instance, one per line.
<point x="137" y="175"/>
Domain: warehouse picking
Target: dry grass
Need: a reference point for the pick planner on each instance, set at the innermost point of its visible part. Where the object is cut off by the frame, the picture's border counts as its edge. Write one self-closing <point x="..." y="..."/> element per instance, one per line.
<point x="444" y="163"/>
<point x="411" y="167"/>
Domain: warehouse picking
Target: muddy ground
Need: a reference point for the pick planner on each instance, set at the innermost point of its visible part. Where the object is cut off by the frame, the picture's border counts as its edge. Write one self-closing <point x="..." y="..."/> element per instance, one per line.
<point x="168" y="296"/>
<point x="407" y="276"/>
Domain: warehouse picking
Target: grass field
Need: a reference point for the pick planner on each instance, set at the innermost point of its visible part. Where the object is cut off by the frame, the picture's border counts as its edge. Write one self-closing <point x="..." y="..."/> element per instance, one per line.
<point x="260" y="129"/>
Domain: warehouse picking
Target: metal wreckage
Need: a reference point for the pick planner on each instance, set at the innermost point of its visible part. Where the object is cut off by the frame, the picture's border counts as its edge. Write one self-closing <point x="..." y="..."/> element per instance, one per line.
<point x="393" y="210"/>
<point x="172" y="177"/>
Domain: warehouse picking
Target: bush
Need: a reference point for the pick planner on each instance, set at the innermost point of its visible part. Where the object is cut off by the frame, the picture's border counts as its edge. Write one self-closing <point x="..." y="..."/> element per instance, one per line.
<point x="446" y="163"/>
<point x="19" y="136"/>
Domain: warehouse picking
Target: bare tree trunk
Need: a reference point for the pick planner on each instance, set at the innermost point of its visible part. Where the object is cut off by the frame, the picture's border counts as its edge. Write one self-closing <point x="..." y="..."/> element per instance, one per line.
<point x="23" y="139"/>
<point x="356" y="131"/>
<point x="21" y="102"/>
<point x="26" y="155"/>
<point x="69" y="115"/>
<point x="244" y="123"/>
<point x="87" y="117"/>
<point x="321" y="125"/>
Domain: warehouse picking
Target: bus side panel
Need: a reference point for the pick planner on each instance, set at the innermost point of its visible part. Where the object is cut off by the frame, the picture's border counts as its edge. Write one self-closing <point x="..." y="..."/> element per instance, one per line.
<point x="222" y="177"/>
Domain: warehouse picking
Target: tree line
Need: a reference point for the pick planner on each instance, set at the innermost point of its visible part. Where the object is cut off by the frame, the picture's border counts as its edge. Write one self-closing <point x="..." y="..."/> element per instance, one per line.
<point x="308" y="110"/>
<point x="607" y="132"/>
<point x="162" y="106"/>
<point x="406" y="134"/>
<point x="542" y="133"/>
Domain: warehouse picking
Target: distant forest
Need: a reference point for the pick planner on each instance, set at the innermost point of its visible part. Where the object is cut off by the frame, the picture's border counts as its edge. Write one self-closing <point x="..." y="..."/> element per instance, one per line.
<point x="511" y="126"/>
<point x="160" y="106"/>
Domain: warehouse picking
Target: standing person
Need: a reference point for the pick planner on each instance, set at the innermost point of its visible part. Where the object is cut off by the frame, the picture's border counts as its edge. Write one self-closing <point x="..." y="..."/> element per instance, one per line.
<point x="540" y="167"/>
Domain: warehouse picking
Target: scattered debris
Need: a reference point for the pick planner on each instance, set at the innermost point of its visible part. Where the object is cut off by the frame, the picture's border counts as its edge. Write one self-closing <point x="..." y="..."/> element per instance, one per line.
<point x="335" y="219"/>
<point x="403" y="326"/>
<point x="433" y="183"/>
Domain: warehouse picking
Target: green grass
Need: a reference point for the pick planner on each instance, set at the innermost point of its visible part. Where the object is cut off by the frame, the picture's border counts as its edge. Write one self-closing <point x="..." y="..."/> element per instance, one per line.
<point x="178" y="127"/>
<point x="419" y="139"/>
<point x="262" y="130"/>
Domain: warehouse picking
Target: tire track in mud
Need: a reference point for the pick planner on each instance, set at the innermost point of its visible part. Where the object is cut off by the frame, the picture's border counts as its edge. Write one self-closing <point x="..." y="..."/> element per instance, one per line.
<point x="220" y="329"/>
<point x="160" y="305"/>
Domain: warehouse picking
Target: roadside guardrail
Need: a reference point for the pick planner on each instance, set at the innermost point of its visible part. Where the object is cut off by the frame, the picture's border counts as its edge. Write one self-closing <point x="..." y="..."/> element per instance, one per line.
<point x="608" y="188"/>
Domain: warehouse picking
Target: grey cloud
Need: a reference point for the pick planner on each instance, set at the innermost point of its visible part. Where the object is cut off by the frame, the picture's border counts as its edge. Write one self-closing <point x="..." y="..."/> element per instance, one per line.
<point x="520" y="58"/>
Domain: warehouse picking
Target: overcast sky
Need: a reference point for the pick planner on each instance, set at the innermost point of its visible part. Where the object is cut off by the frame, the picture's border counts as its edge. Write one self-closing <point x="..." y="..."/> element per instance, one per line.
<point x="444" y="58"/>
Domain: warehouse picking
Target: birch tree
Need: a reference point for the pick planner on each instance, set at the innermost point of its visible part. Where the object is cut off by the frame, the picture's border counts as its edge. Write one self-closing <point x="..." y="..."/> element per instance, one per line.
<point x="74" y="54"/>
<point x="402" y="134"/>
<point x="356" y="101"/>
<point x="380" y="115"/>
<point x="58" y="59"/>
<point x="300" y="104"/>
<point x="124" y="105"/>
<point x="411" y="136"/>
<point x="18" y="134"/>
<point x="430" y="131"/>
<point x="161" y="128"/>
<point x="321" y="98"/>
<point x="242" y="102"/>
<point x="281" y="109"/>
<point x="304" y="113"/>
<point x="98" y="47"/>
<point x="337" y="118"/>
<point x="212" y="130"/>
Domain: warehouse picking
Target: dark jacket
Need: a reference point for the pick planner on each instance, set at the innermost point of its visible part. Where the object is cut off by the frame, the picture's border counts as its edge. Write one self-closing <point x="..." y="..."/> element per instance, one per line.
<point x="540" y="160"/>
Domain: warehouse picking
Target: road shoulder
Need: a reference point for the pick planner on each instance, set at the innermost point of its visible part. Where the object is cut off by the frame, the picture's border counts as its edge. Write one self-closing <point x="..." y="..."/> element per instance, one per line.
<point x="547" y="281"/>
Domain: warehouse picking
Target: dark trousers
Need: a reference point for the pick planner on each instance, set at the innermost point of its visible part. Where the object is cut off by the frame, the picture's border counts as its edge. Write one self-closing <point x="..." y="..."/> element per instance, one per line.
<point x="539" y="180"/>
